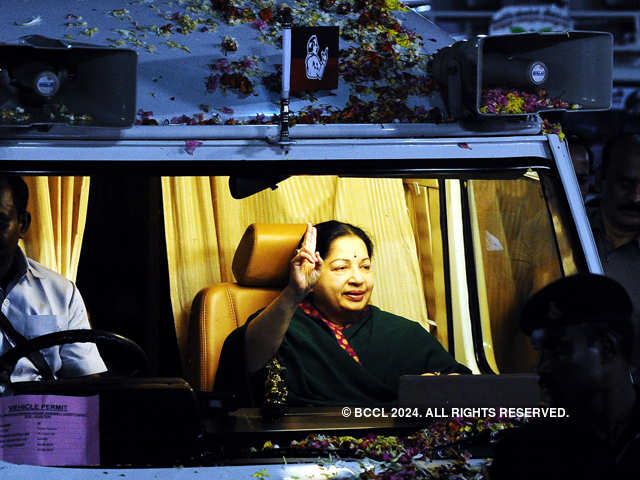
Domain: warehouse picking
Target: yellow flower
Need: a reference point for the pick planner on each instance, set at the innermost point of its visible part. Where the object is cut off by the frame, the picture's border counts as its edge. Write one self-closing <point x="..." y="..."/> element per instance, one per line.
<point x="515" y="103"/>
<point x="395" y="5"/>
<point x="403" y="41"/>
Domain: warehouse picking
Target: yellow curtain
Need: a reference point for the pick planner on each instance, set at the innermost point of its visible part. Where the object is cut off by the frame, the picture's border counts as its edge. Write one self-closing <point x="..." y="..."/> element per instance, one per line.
<point x="423" y="205"/>
<point x="204" y="224"/>
<point x="58" y="207"/>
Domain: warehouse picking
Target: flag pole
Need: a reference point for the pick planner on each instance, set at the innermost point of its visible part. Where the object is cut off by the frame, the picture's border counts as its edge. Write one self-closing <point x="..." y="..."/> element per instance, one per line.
<point x="286" y="76"/>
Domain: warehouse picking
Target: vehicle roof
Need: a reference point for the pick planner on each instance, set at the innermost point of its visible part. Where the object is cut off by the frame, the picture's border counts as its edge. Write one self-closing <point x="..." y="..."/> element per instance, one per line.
<point x="179" y="45"/>
<point x="177" y="113"/>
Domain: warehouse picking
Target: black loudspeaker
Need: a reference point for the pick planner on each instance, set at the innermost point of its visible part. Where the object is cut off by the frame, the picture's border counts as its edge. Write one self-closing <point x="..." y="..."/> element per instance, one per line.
<point x="570" y="71"/>
<point x="45" y="81"/>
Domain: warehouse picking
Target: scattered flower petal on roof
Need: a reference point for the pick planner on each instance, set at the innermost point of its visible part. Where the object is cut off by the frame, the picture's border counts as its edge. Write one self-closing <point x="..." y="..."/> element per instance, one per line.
<point x="239" y="76"/>
<point x="89" y="32"/>
<point x="76" y="24"/>
<point x="381" y="62"/>
<point x="121" y="14"/>
<point x="191" y="145"/>
<point x="229" y="44"/>
<point x="259" y="24"/>
<point x="212" y="82"/>
<point x="182" y="119"/>
<point x="186" y="24"/>
<point x="180" y="46"/>
<point x="556" y="128"/>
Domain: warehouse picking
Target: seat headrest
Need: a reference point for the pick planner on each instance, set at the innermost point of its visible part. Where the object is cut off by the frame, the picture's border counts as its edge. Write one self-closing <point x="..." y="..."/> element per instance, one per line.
<point x="264" y="253"/>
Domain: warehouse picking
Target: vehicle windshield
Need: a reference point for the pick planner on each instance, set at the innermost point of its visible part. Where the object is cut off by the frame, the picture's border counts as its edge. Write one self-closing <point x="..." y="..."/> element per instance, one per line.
<point x="457" y="251"/>
<point x="451" y="252"/>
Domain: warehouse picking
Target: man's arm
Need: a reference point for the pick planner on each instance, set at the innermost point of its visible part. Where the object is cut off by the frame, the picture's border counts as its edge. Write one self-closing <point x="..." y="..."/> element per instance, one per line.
<point x="79" y="359"/>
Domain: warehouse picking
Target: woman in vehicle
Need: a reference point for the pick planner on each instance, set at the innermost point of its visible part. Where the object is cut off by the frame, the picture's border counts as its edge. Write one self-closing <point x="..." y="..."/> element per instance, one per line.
<point x="337" y="349"/>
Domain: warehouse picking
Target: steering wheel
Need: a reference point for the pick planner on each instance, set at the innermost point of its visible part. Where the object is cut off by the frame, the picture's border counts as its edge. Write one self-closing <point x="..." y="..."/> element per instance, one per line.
<point x="132" y="351"/>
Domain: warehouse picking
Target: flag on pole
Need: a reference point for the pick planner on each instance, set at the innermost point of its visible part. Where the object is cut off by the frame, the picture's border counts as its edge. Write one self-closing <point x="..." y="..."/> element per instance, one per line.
<point x="314" y="58"/>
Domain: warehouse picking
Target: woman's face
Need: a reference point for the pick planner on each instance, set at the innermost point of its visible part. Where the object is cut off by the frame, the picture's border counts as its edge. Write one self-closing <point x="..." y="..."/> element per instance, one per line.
<point x="346" y="280"/>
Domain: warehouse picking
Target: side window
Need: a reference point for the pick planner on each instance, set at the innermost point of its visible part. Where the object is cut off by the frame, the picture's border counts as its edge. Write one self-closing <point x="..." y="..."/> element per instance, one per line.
<point x="521" y="243"/>
<point x="423" y="205"/>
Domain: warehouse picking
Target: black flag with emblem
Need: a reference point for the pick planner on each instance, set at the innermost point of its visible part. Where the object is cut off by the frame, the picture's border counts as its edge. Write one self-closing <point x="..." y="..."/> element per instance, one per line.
<point x="314" y="58"/>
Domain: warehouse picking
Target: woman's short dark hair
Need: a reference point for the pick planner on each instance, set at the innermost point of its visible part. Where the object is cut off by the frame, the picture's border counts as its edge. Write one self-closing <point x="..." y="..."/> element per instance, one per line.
<point x="332" y="229"/>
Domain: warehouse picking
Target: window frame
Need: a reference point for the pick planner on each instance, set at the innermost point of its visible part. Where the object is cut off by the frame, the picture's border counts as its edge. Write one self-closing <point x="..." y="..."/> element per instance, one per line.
<point x="569" y="210"/>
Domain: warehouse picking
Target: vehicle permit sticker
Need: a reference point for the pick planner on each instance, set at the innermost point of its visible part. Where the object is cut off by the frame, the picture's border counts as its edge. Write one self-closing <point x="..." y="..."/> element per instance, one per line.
<point x="50" y="430"/>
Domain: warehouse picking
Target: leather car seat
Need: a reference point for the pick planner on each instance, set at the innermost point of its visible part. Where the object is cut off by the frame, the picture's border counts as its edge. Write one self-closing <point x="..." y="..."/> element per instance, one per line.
<point x="261" y="268"/>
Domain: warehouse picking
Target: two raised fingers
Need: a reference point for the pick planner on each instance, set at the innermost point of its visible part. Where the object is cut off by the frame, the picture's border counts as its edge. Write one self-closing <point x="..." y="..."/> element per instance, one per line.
<point x="310" y="238"/>
<point x="308" y="247"/>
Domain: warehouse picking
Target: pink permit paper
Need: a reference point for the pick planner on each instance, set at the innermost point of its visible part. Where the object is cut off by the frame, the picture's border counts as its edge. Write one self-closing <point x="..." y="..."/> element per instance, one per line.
<point x="50" y="430"/>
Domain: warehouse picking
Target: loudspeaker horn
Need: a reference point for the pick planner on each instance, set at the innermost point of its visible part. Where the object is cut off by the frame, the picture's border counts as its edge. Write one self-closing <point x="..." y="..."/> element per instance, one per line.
<point x="522" y="74"/>
<point x="45" y="81"/>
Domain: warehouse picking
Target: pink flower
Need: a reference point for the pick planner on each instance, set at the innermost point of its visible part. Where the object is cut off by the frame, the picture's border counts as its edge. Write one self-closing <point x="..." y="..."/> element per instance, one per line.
<point x="181" y="119"/>
<point x="144" y="114"/>
<point x="197" y="118"/>
<point x="222" y="64"/>
<point x="191" y="145"/>
<point x="259" y="24"/>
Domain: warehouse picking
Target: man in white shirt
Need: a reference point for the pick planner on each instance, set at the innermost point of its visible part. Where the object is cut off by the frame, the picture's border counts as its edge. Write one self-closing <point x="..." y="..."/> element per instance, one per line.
<point x="35" y="299"/>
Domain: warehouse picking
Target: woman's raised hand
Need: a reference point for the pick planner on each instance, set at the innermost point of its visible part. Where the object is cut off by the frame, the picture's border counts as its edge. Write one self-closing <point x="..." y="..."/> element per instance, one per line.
<point x="305" y="266"/>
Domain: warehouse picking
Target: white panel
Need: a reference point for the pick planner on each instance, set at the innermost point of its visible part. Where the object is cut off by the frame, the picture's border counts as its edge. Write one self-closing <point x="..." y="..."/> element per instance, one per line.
<point x="568" y="177"/>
